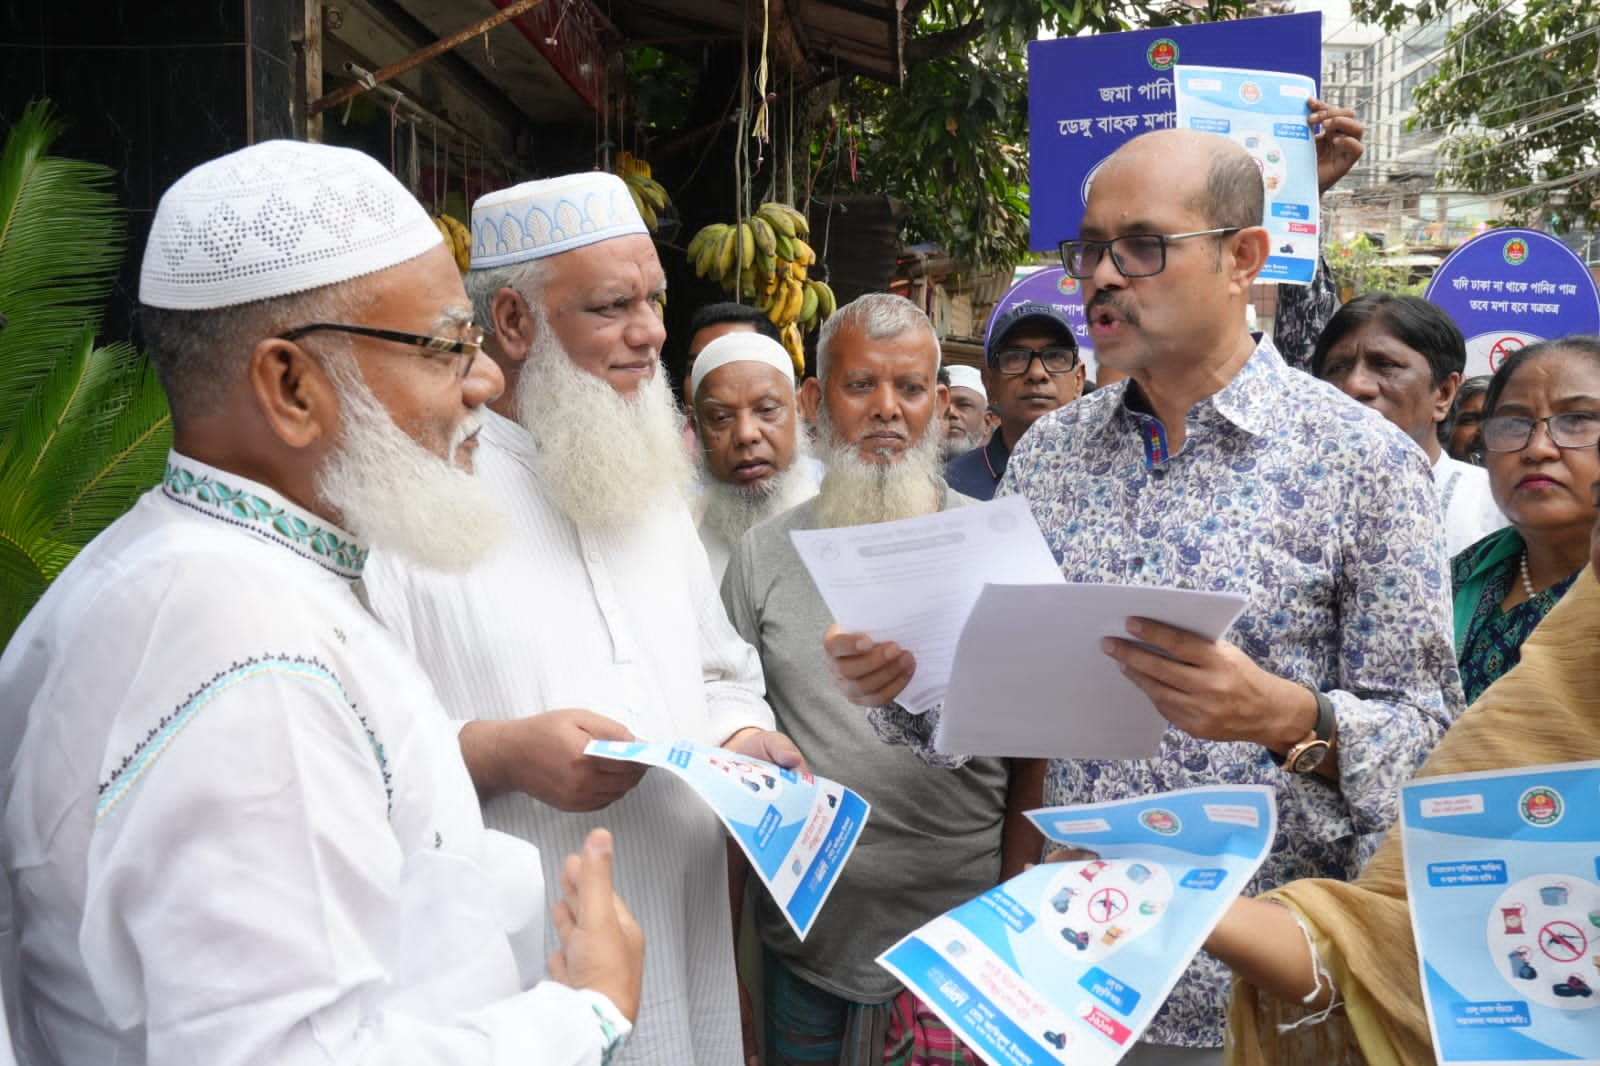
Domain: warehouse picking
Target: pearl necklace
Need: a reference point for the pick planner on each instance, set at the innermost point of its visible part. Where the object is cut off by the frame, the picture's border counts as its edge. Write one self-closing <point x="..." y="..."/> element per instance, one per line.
<point x="1527" y="582"/>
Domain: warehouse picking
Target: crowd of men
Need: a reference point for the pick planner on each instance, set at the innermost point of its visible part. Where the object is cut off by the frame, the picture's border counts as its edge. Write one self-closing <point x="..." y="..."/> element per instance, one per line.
<point x="296" y="747"/>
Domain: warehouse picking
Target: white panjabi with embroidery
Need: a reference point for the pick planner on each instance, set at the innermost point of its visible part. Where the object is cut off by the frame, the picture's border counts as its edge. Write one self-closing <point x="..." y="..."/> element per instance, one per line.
<point x="626" y="623"/>
<point x="237" y="824"/>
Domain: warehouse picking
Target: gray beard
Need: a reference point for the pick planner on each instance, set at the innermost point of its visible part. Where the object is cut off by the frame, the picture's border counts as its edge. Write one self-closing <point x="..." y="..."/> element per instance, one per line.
<point x="605" y="458"/>
<point x="953" y="448"/>
<point x="395" y="494"/>
<point x="731" y="512"/>
<point x="856" y="493"/>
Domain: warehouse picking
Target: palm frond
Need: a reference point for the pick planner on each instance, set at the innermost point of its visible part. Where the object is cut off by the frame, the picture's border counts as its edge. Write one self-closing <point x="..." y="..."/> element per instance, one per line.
<point x="83" y="429"/>
<point x="61" y="239"/>
<point x="128" y="457"/>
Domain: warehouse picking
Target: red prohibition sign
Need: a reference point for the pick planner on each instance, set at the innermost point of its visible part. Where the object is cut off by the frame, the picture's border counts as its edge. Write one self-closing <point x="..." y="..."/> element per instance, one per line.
<point x="1107" y="903"/>
<point x="1502" y="348"/>
<point x="1562" y="941"/>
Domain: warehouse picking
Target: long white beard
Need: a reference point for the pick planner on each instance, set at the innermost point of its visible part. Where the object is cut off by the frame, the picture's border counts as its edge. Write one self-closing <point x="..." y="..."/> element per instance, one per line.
<point x="856" y="493"/>
<point x="731" y="511"/>
<point x="393" y="493"/>
<point x="605" y="458"/>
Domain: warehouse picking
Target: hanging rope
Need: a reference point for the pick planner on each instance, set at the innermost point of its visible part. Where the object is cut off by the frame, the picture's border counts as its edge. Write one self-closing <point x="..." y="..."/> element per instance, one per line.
<point x="761" y="127"/>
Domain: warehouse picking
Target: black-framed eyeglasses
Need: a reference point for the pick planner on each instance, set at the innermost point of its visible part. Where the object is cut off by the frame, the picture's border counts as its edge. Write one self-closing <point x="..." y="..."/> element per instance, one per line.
<point x="1056" y="359"/>
<point x="1511" y="433"/>
<point x="470" y="346"/>
<point x="1137" y="255"/>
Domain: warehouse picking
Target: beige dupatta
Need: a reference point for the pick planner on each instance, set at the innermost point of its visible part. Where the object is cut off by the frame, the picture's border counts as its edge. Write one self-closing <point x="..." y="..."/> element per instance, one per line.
<point x="1546" y="710"/>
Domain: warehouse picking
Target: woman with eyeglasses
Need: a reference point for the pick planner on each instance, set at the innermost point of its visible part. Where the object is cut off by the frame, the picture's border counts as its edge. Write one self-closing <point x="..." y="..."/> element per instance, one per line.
<point x="1540" y="432"/>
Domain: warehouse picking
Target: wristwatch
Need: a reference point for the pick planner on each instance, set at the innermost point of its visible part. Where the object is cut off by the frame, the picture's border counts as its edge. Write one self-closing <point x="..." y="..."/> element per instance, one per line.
<point x="1308" y="752"/>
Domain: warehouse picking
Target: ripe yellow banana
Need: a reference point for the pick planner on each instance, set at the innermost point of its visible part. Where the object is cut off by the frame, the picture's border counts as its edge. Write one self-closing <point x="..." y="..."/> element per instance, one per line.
<point x="798" y="226"/>
<point x="766" y="239"/>
<point x="727" y="262"/>
<point x="781" y="224"/>
<point x="795" y="347"/>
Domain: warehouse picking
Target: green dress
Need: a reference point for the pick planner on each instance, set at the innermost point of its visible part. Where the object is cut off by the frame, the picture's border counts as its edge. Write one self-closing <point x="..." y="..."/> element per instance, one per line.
<point x="1489" y="640"/>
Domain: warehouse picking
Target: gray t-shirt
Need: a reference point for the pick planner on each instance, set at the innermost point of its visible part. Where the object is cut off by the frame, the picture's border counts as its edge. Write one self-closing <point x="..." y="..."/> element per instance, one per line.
<point x="932" y="841"/>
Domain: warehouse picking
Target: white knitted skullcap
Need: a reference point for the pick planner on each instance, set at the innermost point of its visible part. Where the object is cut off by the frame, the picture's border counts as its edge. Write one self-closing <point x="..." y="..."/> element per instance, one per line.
<point x="276" y="218"/>
<point x="550" y="216"/>
<point x="967" y="377"/>
<point x="741" y="347"/>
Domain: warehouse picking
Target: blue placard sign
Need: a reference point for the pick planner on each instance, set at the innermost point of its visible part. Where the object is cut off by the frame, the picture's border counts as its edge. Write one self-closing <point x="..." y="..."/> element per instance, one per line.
<point x="1510" y="287"/>
<point x="1087" y="96"/>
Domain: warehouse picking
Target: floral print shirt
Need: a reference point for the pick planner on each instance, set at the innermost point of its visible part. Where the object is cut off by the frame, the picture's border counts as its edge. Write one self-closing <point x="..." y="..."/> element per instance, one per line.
<point x="1326" y="517"/>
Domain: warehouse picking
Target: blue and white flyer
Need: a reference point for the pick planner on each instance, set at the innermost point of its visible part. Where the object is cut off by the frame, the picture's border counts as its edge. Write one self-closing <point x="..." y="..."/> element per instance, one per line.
<point x="1266" y="113"/>
<point x="796" y="828"/>
<point x="1502" y="870"/>
<point x="1068" y="962"/>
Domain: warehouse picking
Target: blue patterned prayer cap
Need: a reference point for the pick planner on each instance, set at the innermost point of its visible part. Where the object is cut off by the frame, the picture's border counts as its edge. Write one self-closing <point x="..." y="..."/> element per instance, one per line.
<point x="550" y="216"/>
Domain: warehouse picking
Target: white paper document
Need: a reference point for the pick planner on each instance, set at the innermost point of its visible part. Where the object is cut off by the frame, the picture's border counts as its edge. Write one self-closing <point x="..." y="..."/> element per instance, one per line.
<point x="914" y="581"/>
<point x="1029" y="678"/>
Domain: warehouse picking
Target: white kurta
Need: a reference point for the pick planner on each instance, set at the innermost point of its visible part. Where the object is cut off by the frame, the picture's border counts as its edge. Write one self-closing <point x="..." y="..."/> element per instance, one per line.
<point x="626" y="624"/>
<point x="1470" y="513"/>
<point x="237" y="828"/>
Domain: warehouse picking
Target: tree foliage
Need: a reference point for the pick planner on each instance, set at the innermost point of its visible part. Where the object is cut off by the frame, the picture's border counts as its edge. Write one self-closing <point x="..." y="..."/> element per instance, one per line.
<point x="952" y="142"/>
<point x="83" y="429"/>
<point x="1517" y="95"/>
<point x="1359" y="267"/>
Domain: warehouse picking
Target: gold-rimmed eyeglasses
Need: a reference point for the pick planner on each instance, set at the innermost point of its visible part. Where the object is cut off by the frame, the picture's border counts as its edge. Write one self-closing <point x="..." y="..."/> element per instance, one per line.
<point x="470" y="346"/>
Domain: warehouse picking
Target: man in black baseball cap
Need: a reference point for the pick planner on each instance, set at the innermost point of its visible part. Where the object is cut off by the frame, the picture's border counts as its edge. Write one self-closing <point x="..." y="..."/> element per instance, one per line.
<point x="1031" y="367"/>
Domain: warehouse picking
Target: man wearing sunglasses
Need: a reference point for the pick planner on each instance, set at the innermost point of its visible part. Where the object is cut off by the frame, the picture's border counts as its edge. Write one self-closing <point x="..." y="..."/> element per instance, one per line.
<point x="1031" y="367"/>
<point x="1216" y="466"/>
<point x="237" y="823"/>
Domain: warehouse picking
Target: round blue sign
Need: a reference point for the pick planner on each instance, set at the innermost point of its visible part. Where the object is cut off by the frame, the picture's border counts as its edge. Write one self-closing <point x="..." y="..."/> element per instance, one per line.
<point x="1511" y="287"/>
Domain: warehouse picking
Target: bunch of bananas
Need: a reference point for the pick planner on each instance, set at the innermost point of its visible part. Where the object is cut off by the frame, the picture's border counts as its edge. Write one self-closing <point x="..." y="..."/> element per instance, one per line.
<point x="764" y="259"/>
<point x="649" y="196"/>
<point x="457" y="239"/>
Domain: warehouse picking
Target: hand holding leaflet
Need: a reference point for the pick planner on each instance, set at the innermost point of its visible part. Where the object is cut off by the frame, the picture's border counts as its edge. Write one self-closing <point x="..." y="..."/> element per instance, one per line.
<point x="914" y="582"/>
<point x="1265" y="112"/>
<point x="797" y="829"/>
<point x="1069" y="962"/>
<point x="1501" y="873"/>
<point x="1070" y="700"/>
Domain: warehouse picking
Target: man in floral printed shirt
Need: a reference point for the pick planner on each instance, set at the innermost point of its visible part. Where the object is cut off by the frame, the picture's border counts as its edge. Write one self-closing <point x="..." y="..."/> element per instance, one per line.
<point x="1218" y="467"/>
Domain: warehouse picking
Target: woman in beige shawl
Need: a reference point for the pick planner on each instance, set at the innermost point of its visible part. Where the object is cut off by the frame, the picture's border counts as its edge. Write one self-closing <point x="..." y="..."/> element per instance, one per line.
<point x="1545" y="710"/>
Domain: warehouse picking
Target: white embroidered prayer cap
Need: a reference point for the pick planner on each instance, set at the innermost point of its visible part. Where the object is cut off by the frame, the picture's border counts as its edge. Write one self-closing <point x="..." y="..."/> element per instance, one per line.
<point x="741" y="347"/>
<point x="276" y="218"/>
<point x="550" y="216"/>
<point x="967" y="377"/>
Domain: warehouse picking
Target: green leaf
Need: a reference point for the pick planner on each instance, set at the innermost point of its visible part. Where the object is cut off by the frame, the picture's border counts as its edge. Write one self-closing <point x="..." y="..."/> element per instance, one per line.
<point x="83" y="429"/>
<point x="61" y="241"/>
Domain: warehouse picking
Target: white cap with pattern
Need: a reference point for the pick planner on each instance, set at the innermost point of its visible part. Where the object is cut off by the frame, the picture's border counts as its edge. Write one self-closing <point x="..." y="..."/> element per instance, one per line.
<point x="550" y="216"/>
<point x="967" y="377"/>
<point x="276" y="218"/>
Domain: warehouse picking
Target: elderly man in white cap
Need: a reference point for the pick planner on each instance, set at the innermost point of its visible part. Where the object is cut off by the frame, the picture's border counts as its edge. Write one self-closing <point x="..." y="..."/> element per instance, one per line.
<point x="965" y="426"/>
<point x="237" y="825"/>
<point x="599" y="618"/>
<point x="935" y="839"/>
<point x="750" y="440"/>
